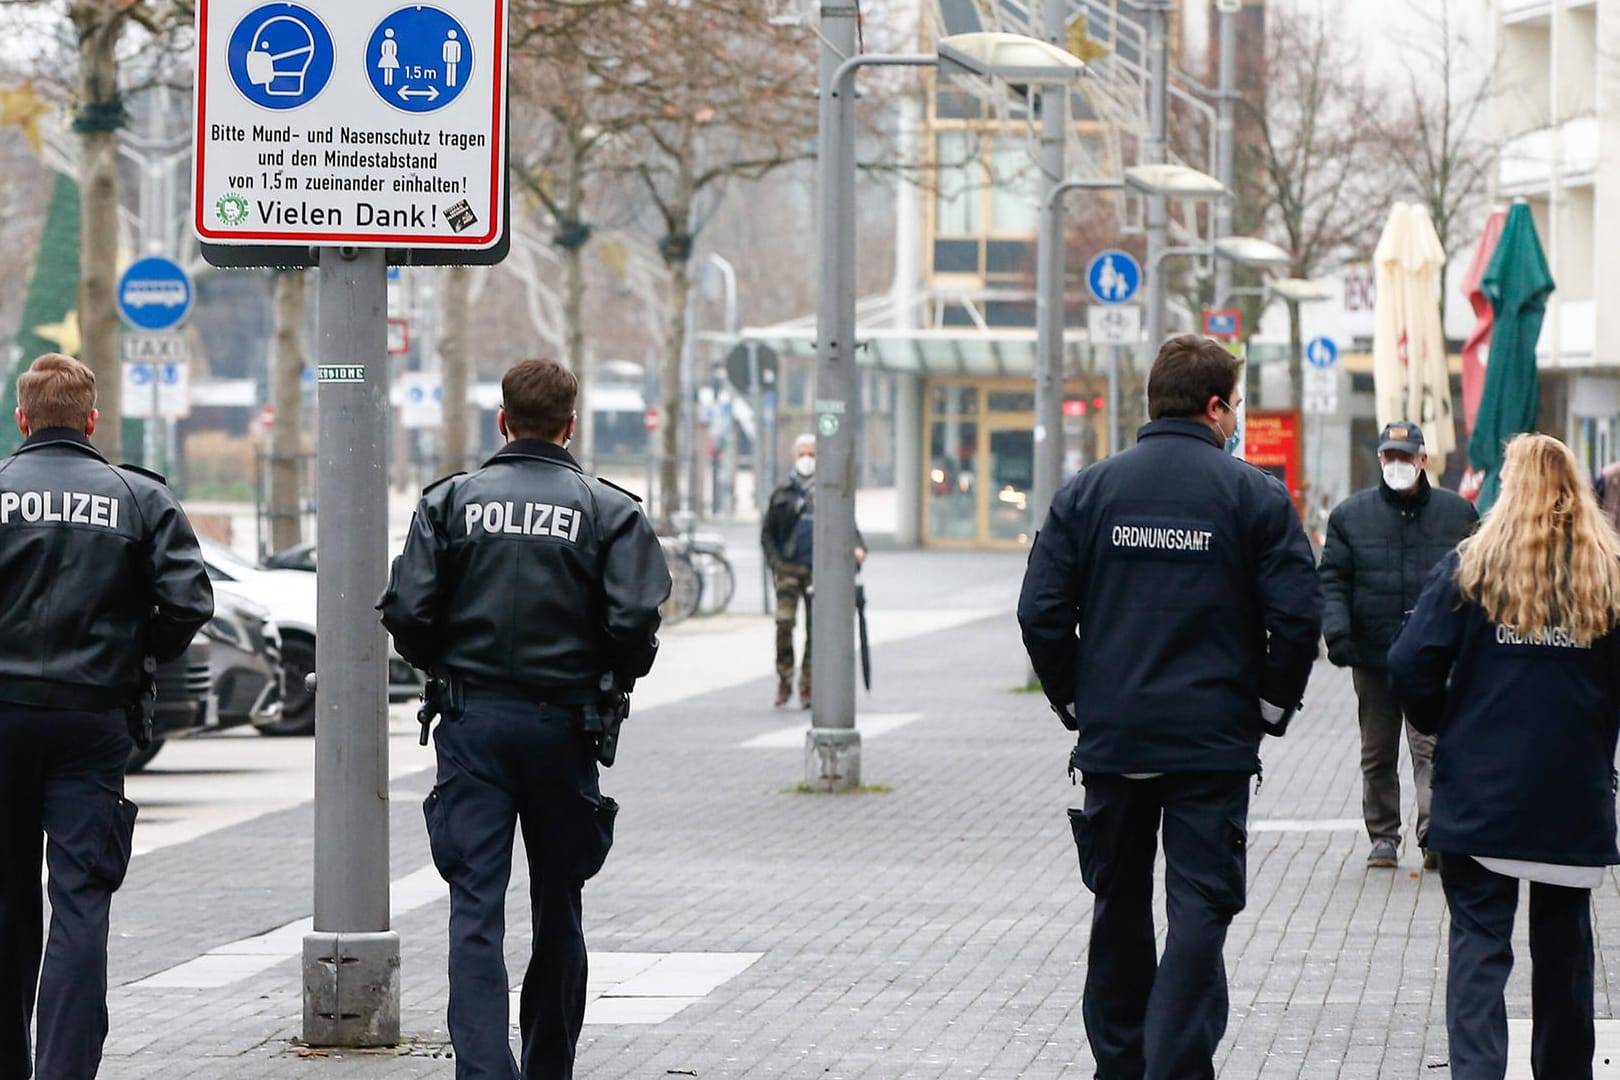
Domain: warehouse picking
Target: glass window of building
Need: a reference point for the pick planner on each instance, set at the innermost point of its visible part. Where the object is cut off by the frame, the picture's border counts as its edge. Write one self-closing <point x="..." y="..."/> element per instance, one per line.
<point x="1013" y="195"/>
<point x="958" y="204"/>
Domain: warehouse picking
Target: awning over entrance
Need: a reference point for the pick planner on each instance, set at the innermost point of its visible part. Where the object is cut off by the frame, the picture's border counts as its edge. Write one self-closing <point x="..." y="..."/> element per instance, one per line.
<point x="937" y="352"/>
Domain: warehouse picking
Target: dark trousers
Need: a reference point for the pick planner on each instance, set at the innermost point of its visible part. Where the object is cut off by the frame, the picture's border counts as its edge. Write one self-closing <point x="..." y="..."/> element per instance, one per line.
<point x="61" y="793"/>
<point x="1483" y="904"/>
<point x="1381" y="722"/>
<point x="1147" y="1017"/>
<point x="504" y="762"/>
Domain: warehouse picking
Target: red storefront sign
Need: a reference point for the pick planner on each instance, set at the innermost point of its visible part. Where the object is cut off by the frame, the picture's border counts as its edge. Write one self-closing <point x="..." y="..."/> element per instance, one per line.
<point x="1274" y="440"/>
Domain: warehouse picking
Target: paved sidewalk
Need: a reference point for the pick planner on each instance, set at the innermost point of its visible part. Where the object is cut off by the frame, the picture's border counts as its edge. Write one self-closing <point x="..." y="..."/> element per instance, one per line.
<point x="934" y="929"/>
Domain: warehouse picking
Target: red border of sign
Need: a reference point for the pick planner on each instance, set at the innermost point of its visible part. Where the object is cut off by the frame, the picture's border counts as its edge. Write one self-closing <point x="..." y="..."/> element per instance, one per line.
<point x="392" y="240"/>
<point x="405" y="337"/>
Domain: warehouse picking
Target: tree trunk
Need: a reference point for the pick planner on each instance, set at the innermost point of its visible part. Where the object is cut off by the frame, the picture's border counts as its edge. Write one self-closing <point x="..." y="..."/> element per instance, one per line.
<point x="99" y="29"/>
<point x="287" y="402"/>
<point x="453" y="349"/>
<point x="578" y="361"/>
<point x="669" y="465"/>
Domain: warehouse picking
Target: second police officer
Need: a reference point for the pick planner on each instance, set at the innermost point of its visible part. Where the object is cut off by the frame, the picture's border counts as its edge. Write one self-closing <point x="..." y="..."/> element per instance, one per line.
<point x="1171" y="610"/>
<point x="524" y="583"/>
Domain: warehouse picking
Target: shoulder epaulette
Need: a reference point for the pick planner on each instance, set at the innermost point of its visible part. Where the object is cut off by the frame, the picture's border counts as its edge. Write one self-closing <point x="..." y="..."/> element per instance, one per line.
<point x="442" y="480"/>
<point x="623" y="491"/>
<point x="148" y="473"/>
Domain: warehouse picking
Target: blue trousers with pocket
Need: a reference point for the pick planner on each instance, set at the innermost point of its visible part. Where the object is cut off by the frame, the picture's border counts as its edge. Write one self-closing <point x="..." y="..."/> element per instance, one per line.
<point x="1151" y="1017"/>
<point x="506" y="762"/>
<point x="62" y="798"/>
<point x="1483" y="904"/>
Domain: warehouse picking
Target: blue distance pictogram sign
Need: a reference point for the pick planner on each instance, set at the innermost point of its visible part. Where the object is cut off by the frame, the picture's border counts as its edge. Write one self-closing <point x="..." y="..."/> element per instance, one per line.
<point x="419" y="58"/>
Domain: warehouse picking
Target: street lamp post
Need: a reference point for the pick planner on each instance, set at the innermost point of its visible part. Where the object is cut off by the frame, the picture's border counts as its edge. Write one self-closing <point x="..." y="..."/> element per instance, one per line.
<point x="833" y="746"/>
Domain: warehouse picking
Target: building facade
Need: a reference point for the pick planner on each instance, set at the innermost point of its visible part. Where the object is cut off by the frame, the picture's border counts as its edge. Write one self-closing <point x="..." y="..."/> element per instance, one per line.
<point x="1556" y="122"/>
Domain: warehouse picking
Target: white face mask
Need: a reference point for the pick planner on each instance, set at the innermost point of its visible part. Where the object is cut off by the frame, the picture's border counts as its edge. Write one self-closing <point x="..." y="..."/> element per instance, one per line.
<point x="805" y="466"/>
<point x="1400" y="475"/>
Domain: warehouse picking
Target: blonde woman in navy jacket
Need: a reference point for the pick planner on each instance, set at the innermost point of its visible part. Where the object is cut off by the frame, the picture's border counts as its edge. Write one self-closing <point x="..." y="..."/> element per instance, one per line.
<point x="1512" y="657"/>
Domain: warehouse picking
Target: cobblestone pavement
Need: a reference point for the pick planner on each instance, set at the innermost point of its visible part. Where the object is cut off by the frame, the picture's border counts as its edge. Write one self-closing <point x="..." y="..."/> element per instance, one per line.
<point x="934" y="927"/>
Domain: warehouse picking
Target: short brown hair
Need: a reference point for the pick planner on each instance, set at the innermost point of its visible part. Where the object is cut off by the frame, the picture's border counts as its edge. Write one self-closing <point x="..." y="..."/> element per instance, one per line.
<point x="1188" y="372"/>
<point x="57" y="392"/>
<point x="538" y="396"/>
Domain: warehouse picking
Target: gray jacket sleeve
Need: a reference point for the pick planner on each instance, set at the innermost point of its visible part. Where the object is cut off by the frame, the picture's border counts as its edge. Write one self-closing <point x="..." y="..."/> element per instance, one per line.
<point x="183" y="597"/>
<point x="635" y="581"/>
<point x="410" y="604"/>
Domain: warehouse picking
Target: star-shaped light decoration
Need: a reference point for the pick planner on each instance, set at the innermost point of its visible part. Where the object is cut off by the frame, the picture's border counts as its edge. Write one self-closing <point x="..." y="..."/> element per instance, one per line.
<point x="22" y="107"/>
<point x="64" y="334"/>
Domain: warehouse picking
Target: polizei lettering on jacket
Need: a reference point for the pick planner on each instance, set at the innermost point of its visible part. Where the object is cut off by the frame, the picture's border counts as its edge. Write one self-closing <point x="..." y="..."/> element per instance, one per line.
<point x="67" y="507"/>
<point x="1178" y="538"/>
<point x="1556" y="638"/>
<point x="524" y="519"/>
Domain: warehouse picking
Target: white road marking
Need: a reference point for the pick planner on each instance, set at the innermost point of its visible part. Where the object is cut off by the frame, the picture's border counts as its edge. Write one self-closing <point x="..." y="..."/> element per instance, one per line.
<point x="792" y="738"/>
<point x="1307" y="825"/>
<point x="238" y="960"/>
<point x="649" y="988"/>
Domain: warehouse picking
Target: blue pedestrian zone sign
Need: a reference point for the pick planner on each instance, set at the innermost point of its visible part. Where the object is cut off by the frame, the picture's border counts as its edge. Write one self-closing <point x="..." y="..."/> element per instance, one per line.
<point x="154" y="294"/>
<point x="1113" y="277"/>
<point x="280" y="56"/>
<point x="419" y="59"/>
<point x="1321" y="352"/>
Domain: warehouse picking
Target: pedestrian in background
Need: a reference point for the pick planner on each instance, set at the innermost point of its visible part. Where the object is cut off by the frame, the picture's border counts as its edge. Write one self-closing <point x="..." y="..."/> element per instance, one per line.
<point x="1171" y="610"/>
<point x="1381" y="544"/>
<point x="788" y="537"/>
<point x="1512" y="658"/>
<point x="99" y="573"/>
<point x="522" y="585"/>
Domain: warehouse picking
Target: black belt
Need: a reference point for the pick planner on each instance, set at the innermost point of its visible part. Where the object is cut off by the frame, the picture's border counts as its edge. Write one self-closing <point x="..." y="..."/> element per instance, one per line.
<point x="538" y="695"/>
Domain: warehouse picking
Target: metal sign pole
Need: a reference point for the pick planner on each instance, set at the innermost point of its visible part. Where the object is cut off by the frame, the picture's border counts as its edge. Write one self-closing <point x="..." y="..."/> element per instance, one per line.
<point x="351" y="961"/>
<point x="833" y="747"/>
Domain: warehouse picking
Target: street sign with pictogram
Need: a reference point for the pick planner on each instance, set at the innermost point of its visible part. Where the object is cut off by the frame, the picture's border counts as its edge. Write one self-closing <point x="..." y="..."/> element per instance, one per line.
<point x="372" y="123"/>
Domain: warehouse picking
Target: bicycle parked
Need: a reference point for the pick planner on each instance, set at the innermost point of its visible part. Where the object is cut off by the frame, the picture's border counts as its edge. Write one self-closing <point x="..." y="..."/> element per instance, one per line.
<point x="701" y="577"/>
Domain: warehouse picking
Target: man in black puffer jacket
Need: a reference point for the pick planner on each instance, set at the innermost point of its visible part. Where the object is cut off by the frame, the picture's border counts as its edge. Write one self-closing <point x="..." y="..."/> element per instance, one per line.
<point x="1381" y="544"/>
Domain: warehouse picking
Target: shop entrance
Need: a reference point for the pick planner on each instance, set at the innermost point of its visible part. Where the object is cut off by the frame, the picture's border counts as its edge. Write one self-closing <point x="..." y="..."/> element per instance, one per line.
<point x="980" y="462"/>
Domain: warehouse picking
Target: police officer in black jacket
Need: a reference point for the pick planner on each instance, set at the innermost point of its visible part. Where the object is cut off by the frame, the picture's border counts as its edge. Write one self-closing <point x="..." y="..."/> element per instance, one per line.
<point x="1171" y="611"/>
<point x="99" y="570"/>
<point x="526" y="583"/>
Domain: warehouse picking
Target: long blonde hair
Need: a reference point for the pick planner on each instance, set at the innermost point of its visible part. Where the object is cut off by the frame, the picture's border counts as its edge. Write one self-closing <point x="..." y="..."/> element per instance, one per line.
<point x="1546" y="557"/>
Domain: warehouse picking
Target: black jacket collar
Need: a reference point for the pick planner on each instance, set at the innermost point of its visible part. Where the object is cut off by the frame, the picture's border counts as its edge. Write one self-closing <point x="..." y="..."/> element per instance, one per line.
<point x="1179" y="425"/>
<point x="535" y="448"/>
<point x="60" y="436"/>
<point x="1407" y="502"/>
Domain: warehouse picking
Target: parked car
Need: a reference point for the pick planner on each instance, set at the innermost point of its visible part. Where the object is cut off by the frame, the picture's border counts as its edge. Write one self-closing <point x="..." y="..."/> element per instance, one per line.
<point x="297" y="557"/>
<point x="185" y="700"/>
<point x="246" y="661"/>
<point x="289" y="596"/>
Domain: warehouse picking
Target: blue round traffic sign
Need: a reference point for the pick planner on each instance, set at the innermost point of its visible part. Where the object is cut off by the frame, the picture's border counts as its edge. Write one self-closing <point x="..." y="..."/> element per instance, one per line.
<point x="280" y="56"/>
<point x="154" y="294"/>
<point x="419" y="59"/>
<point x="1113" y="277"/>
<point x="1322" y="352"/>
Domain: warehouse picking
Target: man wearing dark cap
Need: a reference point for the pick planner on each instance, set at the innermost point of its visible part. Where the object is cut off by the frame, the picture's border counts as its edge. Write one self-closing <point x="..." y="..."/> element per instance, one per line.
<point x="1381" y="544"/>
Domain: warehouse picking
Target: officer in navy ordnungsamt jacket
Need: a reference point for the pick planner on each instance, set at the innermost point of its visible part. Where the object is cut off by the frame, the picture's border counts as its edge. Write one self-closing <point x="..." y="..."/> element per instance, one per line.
<point x="1171" y="609"/>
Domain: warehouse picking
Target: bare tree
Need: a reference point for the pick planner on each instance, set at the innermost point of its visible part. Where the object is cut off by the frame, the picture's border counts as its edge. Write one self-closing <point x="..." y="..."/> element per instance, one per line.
<point x="1314" y="148"/>
<point x="455" y="287"/>
<point x="570" y="119"/>
<point x="287" y="400"/>
<point x="723" y="85"/>
<point x="1434" y="138"/>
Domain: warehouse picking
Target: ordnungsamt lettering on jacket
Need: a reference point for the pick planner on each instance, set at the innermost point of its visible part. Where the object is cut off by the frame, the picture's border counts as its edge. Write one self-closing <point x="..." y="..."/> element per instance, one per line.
<point x="1555" y="637"/>
<point x="65" y="507"/>
<point x="524" y="519"/>
<point x="1162" y="537"/>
